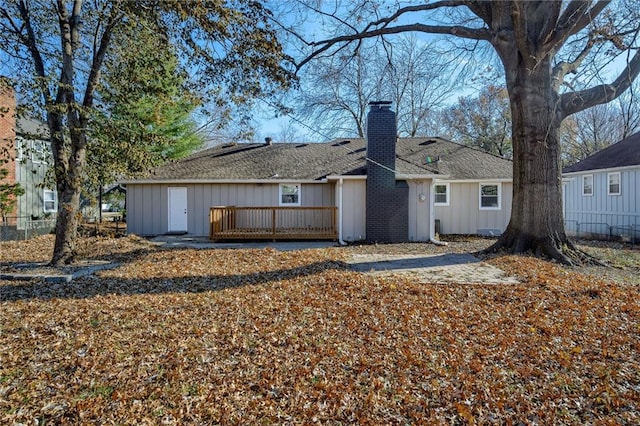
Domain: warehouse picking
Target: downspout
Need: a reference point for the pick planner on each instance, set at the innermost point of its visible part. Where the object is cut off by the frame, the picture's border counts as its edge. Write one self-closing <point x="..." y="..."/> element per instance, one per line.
<point x="432" y="216"/>
<point x="342" y="243"/>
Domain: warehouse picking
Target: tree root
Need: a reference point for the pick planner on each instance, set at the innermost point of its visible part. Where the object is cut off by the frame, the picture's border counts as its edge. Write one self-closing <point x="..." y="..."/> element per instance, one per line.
<point x="561" y="250"/>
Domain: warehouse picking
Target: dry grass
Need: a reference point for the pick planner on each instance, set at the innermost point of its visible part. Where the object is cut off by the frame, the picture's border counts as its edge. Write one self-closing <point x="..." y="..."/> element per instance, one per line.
<point x="267" y="337"/>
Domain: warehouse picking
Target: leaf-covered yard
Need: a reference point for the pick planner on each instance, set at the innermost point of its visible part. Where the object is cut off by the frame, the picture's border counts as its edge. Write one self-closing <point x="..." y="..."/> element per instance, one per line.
<point x="267" y="337"/>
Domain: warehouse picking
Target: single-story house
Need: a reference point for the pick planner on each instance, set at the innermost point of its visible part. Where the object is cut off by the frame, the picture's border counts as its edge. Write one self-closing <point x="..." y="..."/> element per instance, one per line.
<point x="602" y="192"/>
<point x="383" y="189"/>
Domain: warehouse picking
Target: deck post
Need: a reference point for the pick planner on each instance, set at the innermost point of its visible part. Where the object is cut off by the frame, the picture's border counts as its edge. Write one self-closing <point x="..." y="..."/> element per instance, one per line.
<point x="273" y="223"/>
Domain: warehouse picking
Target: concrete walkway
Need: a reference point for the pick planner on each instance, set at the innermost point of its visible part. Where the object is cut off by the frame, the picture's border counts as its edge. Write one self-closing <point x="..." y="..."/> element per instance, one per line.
<point x="439" y="268"/>
<point x="436" y="269"/>
<point x="184" y="241"/>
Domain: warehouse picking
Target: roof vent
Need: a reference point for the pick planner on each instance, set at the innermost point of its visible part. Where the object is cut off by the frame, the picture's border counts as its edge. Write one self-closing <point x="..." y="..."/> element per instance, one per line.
<point x="268" y="141"/>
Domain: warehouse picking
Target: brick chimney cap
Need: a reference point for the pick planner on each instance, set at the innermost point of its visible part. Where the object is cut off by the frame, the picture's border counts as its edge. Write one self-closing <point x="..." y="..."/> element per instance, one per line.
<point x="380" y="103"/>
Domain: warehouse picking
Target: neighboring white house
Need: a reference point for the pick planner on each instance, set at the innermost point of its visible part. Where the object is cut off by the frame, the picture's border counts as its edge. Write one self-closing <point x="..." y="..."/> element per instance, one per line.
<point x="467" y="191"/>
<point x="602" y="192"/>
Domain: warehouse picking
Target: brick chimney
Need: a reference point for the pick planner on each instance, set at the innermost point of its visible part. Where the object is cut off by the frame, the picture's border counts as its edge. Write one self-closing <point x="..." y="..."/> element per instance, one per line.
<point x="7" y="130"/>
<point x="387" y="199"/>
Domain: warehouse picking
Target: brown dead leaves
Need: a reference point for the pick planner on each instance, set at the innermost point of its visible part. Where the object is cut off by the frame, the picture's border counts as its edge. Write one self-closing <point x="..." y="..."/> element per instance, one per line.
<point x="261" y="336"/>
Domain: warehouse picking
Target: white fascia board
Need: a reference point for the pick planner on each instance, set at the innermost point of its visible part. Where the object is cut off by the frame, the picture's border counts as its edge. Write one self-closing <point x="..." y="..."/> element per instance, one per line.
<point x="346" y="177"/>
<point x="201" y="181"/>
<point x="500" y="180"/>
<point x="609" y="170"/>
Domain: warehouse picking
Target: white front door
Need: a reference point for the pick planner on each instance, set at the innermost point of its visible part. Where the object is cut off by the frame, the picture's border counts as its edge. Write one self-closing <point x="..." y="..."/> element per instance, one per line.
<point x="177" y="209"/>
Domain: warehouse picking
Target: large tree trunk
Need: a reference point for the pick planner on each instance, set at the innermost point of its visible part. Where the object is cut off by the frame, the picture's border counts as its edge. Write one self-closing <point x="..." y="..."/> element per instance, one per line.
<point x="537" y="223"/>
<point x="69" y="183"/>
<point x="67" y="225"/>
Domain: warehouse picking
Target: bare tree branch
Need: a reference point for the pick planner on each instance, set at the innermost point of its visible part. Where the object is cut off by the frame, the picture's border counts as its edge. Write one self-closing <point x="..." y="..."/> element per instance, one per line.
<point x="563" y="68"/>
<point x="577" y="101"/>
<point x="459" y="31"/>
<point x="574" y="19"/>
<point x="31" y="43"/>
<point x="384" y="22"/>
<point x="99" y="55"/>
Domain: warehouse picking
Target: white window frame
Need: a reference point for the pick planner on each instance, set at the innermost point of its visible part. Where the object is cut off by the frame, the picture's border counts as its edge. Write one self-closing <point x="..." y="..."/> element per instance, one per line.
<point x="38" y="152"/>
<point x="609" y="176"/>
<point x="447" y="194"/>
<point x="45" y="200"/>
<point x="19" y="150"/>
<point x="281" y="193"/>
<point x="584" y="193"/>
<point x="498" y="185"/>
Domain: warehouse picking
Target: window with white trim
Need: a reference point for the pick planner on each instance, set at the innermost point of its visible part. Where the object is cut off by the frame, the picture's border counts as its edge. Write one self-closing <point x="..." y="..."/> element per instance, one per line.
<point x="19" y="150"/>
<point x="587" y="185"/>
<point x="39" y="152"/>
<point x="50" y="201"/>
<point x="614" y="183"/>
<point x="441" y="194"/>
<point x="290" y="194"/>
<point x="490" y="196"/>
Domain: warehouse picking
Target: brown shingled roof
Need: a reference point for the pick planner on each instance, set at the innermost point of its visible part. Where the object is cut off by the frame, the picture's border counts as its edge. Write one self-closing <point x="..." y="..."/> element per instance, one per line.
<point x="620" y="154"/>
<point x="313" y="161"/>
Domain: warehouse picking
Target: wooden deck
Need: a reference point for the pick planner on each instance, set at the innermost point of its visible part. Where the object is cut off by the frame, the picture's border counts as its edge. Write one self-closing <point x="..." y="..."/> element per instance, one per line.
<point x="272" y="223"/>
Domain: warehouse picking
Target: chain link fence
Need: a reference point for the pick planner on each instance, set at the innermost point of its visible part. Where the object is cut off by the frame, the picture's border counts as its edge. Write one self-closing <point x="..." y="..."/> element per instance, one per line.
<point x="605" y="231"/>
<point x="14" y="228"/>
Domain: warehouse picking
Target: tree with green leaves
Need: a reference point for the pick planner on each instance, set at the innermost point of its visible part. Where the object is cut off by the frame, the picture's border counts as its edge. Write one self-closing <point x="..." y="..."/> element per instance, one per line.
<point x="8" y="194"/>
<point x="544" y="48"/>
<point x="60" y="48"/>
<point x="145" y="109"/>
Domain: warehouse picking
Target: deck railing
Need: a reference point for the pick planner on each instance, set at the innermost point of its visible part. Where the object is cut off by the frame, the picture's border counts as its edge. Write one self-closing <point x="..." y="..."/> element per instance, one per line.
<point x="276" y="223"/>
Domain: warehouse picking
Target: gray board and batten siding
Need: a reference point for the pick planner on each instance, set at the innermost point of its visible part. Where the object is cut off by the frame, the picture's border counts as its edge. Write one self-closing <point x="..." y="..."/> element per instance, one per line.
<point x="602" y="214"/>
<point x="33" y="159"/>
<point x="464" y="216"/>
<point x="150" y="202"/>
<point x="609" y="206"/>
<point x="354" y="209"/>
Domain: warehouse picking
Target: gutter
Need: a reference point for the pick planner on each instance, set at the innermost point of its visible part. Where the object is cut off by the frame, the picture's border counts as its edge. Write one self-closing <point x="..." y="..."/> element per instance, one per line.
<point x="222" y="181"/>
<point x="432" y="218"/>
<point x="340" y="241"/>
